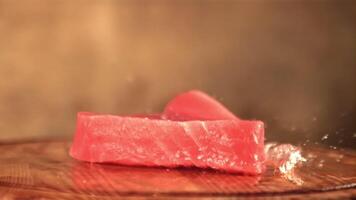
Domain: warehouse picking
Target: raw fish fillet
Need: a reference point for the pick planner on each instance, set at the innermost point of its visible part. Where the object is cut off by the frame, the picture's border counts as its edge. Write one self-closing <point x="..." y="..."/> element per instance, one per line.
<point x="228" y="145"/>
<point x="194" y="105"/>
<point x="194" y="130"/>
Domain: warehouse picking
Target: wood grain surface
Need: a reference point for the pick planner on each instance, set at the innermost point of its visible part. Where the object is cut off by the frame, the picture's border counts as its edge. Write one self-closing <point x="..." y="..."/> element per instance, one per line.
<point x="44" y="170"/>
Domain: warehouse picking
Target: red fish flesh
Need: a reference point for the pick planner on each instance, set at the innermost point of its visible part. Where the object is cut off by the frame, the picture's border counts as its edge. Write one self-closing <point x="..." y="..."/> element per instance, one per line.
<point x="227" y="144"/>
<point x="194" y="105"/>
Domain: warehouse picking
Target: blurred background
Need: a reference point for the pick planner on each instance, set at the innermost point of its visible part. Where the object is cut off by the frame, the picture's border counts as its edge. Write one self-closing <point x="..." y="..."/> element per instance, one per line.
<point x="291" y="63"/>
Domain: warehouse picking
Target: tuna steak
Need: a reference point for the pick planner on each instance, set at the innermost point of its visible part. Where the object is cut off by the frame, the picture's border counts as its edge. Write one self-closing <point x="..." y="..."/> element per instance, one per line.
<point x="214" y="138"/>
<point x="194" y="105"/>
<point x="230" y="145"/>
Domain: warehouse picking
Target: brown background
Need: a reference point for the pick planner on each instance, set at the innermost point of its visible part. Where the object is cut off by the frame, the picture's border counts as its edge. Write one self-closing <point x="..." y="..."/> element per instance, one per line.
<point x="289" y="63"/>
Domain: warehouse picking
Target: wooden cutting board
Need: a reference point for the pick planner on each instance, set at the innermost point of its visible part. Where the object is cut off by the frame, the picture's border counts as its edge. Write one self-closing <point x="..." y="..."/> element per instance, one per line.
<point x="44" y="170"/>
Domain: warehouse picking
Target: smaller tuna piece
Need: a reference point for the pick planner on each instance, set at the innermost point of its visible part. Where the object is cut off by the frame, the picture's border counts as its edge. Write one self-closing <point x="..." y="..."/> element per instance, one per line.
<point x="173" y="140"/>
<point x="194" y="105"/>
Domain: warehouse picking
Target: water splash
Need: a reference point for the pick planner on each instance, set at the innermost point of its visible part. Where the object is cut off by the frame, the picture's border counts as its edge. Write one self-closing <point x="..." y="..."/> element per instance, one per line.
<point x="340" y="157"/>
<point x="285" y="158"/>
<point x="321" y="163"/>
<point x="332" y="147"/>
<point x="306" y="142"/>
<point x="325" y="137"/>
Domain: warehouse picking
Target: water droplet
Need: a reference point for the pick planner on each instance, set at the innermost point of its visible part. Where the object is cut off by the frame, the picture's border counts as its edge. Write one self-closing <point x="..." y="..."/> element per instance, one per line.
<point x="340" y="157"/>
<point x="332" y="147"/>
<point x="325" y="137"/>
<point x="321" y="163"/>
<point x="306" y="142"/>
<point x="292" y="177"/>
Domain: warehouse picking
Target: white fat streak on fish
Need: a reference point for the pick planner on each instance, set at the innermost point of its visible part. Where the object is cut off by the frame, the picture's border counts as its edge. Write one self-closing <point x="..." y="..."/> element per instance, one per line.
<point x="187" y="130"/>
<point x="203" y="124"/>
<point x="259" y="128"/>
<point x="206" y="131"/>
<point x="255" y="139"/>
<point x="174" y="158"/>
<point x="171" y="155"/>
<point x="176" y="155"/>
<point x="162" y="147"/>
<point x="209" y="158"/>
